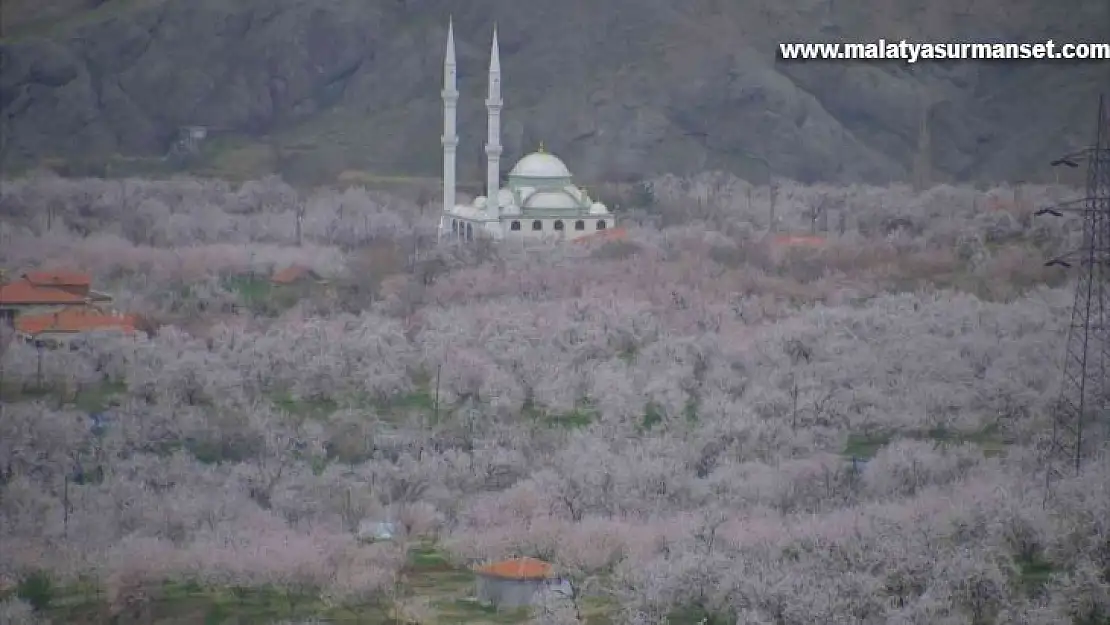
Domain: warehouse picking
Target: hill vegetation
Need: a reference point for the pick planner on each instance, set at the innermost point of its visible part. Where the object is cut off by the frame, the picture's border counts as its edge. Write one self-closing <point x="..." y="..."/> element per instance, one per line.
<point x="738" y="413"/>
<point x="622" y="90"/>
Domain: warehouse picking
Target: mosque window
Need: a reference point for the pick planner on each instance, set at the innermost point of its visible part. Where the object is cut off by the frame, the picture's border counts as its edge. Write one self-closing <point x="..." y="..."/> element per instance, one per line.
<point x="537" y="225"/>
<point x="454" y="225"/>
<point x="559" y="225"/>
<point x="514" y="226"/>
<point x="600" y="224"/>
<point x="579" y="225"/>
<point x="469" y="232"/>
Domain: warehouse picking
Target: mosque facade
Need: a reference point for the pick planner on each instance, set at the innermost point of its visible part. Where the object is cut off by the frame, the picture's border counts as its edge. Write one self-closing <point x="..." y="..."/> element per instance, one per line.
<point x="539" y="200"/>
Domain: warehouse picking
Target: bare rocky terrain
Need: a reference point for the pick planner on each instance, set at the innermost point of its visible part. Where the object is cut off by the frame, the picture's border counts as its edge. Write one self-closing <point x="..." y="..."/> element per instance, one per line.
<point x="621" y="89"/>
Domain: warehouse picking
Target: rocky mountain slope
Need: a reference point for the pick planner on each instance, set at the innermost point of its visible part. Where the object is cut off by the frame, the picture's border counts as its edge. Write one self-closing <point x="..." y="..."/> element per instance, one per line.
<point x="620" y="88"/>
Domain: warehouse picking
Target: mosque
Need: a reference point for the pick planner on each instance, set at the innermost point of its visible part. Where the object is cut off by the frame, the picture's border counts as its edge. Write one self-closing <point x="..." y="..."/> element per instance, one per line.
<point x="540" y="200"/>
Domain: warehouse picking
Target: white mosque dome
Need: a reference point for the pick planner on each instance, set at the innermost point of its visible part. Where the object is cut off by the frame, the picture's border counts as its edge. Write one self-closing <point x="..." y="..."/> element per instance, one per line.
<point x="540" y="165"/>
<point x="597" y="208"/>
<point x="550" y="199"/>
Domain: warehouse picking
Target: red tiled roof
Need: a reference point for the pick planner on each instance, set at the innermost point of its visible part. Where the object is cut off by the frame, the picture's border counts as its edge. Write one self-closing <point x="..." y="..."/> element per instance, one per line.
<point x="75" y="320"/>
<point x="24" y="292"/>
<point x="801" y="240"/>
<point x="290" y="275"/>
<point x="517" y="568"/>
<point x="58" y="278"/>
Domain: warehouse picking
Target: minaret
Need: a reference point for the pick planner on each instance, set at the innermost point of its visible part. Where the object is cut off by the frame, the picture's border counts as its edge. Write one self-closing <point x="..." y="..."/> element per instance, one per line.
<point x="493" y="140"/>
<point x="450" y="107"/>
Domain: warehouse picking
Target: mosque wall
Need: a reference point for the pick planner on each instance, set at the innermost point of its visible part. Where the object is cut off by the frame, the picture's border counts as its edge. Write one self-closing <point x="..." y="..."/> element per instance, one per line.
<point x="553" y="229"/>
<point x="564" y="228"/>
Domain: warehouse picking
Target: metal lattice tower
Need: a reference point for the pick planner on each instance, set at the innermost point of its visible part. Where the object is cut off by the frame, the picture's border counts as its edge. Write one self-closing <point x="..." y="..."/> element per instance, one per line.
<point x="1081" y="422"/>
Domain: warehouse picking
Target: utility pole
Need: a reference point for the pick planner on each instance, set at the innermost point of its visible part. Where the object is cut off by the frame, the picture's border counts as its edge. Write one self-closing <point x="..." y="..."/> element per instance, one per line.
<point x="439" y="369"/>
<point x="300" y="223"/>
<point x="923" y="160"/>
<point x="1081" y="421"/>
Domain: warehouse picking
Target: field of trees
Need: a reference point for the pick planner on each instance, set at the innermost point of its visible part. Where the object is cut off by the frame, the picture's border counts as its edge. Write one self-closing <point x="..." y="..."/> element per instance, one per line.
<point x="708" y="421"/>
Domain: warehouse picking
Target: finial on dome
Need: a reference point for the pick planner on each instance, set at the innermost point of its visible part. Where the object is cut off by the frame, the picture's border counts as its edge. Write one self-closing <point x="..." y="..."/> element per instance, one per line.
<point x="541" y="150"/>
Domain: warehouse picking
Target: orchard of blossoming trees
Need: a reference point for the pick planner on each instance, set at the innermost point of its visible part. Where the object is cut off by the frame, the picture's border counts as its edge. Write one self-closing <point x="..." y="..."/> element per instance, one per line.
<point x="700" y="421"/>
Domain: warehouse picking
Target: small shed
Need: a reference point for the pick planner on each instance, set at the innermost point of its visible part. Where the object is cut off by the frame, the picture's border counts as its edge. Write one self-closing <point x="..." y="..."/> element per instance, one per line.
<point x="376" y="531"/>
<point x="512" y="583"/>
<point x="196" y="133"/>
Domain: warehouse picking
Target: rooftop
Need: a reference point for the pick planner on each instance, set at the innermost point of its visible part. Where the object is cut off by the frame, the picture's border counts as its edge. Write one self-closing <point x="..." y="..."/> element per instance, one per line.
<point x="517" y="568"/>
<point x="796" y="240"/>
<point x="58" y="278"/>
<point x="292" y="274"/>
<point x="75" y="320"/>
<point x="25" y="292"/>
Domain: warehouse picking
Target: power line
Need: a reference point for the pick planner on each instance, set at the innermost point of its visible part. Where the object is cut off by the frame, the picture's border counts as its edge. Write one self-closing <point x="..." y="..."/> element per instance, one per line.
<point x="1081" y="419"/>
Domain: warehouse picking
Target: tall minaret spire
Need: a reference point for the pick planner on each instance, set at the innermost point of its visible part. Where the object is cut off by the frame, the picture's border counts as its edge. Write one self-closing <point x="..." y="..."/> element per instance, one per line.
<point x="493" y="139"/>
<point x="450" y="107"/>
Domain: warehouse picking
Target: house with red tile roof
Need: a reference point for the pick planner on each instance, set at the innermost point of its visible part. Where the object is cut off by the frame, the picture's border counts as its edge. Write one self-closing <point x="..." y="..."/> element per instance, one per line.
<point x="71" y="281"/>
<point x="41" y="292"/>
<point x="26" y="293"/>
<point x="65" y="324"/>
<point x="798" y="240"/>
<point x="295" y="274"/>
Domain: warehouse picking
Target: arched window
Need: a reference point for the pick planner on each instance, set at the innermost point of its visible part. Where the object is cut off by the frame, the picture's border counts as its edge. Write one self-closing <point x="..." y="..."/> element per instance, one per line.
<point x="454" y="225"/>
<point x="559" y="225"/>
<point x="514" y="226"/>
<point x="537" y="225"/>
<point x="600" y="224"/>
<point x="579" y="225"/>
<point x="469" y="232"/>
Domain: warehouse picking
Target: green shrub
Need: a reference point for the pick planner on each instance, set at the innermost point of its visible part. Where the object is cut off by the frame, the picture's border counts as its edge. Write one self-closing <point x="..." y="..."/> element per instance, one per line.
<point x="36" y="589"/>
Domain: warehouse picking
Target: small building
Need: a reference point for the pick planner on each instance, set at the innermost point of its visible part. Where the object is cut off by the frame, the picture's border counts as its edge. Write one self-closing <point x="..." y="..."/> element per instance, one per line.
<point x="39" y="292"/>
<point x="196" y="133"/>
<point x="296" y="275"/>
<point x="69" y="281"/>
<point x="376" y="531"/>
<point x="512" y="583"/>
<point x="25" y="296"/>
<point x="61" y="326"/>
<point x="189" y="138"/>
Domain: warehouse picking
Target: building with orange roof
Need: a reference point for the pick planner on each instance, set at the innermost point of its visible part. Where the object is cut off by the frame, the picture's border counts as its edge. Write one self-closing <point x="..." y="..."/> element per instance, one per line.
<point x="23" y="297"/>
<point x="798" y="240"/>
<point x="25" y="293"/>
<point x="41" y="292"/>
<point x="70" y="281"/>
<point x="295" y="274"/>
<point x="69" y="322"/>
<point x="512" y="583"/>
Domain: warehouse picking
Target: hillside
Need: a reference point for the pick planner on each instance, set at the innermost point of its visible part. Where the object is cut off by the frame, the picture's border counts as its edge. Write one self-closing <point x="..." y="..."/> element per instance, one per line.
<point x="621" y="89"/>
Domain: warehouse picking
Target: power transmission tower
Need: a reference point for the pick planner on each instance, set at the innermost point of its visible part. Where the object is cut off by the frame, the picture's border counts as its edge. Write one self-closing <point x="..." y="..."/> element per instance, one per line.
<point x="1081" y="422"/>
